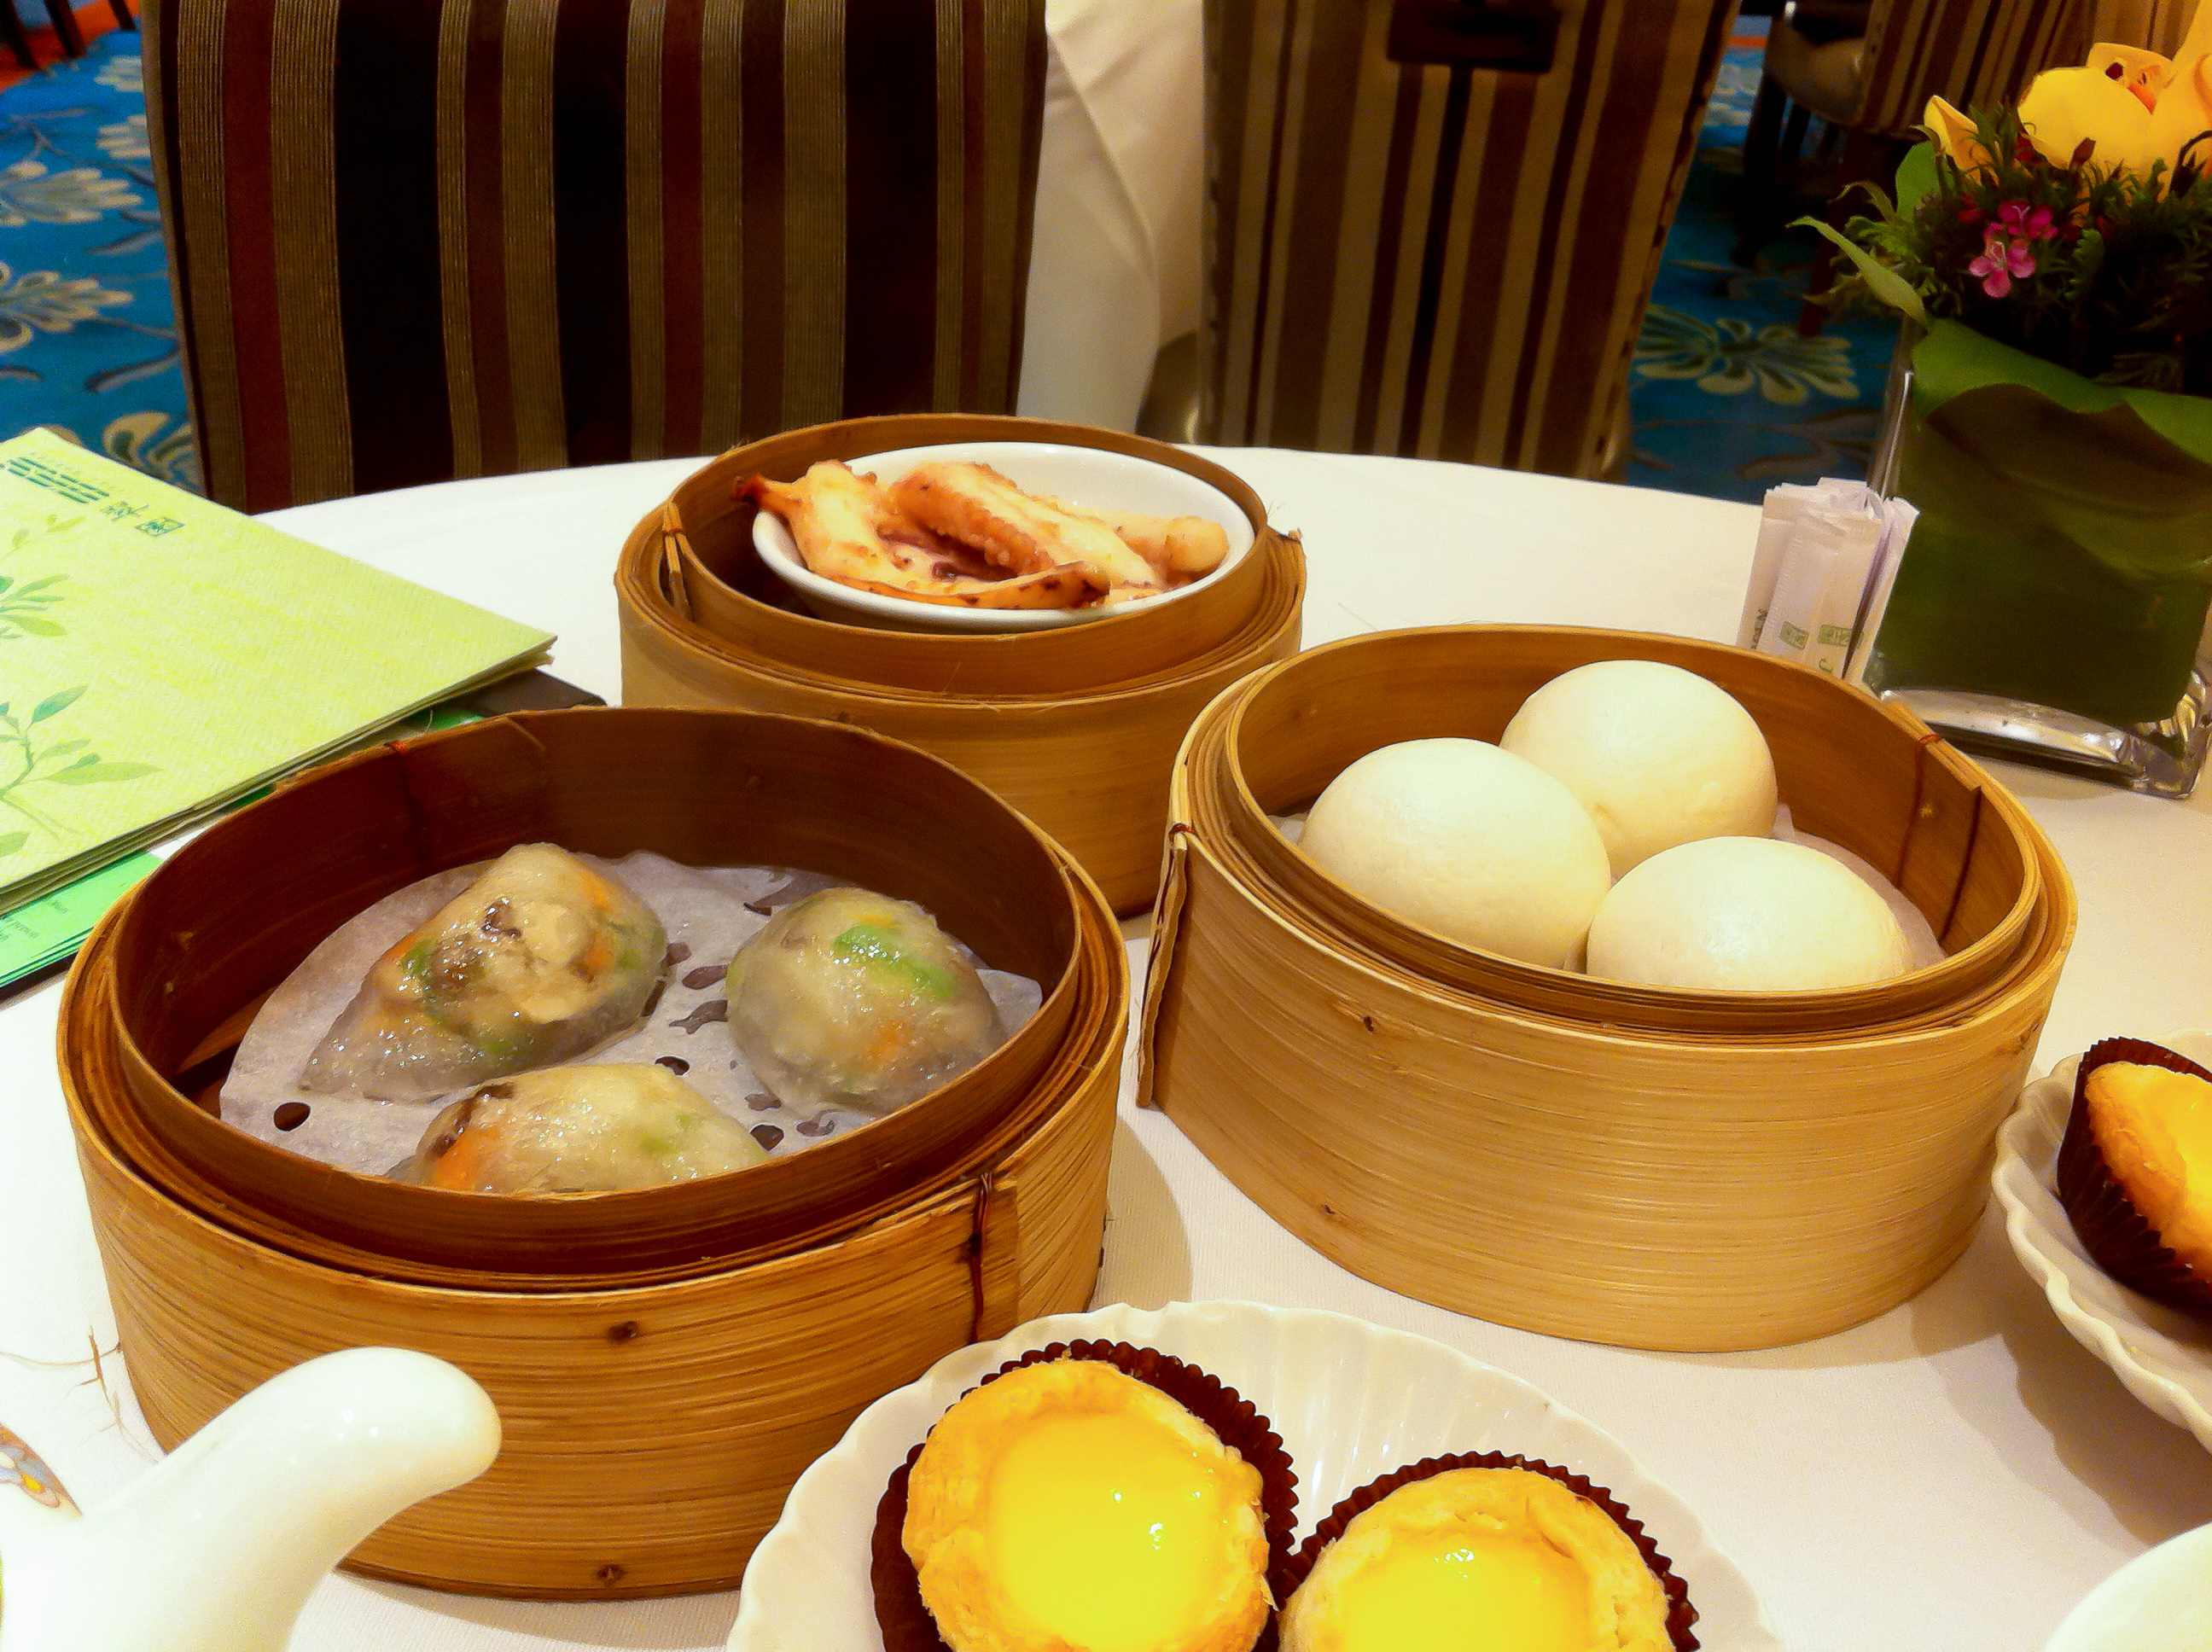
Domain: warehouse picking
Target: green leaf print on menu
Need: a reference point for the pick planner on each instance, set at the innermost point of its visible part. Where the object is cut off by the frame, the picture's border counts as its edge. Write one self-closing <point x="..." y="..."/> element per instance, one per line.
<point x="38" y="761"/>
<point x="23" y="606"/>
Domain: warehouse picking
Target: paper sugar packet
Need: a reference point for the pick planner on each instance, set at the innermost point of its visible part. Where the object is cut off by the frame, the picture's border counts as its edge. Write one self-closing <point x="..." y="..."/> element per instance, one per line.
<point x="1821" y="574"/>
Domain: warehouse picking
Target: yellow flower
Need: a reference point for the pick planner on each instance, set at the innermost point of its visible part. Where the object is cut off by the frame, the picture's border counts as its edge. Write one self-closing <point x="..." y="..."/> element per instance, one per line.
<point x="2134" y="107"/>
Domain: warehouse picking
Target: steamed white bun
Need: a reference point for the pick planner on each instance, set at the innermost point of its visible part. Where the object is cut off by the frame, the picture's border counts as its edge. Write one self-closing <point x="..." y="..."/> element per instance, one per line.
<point x="1657" y="755"/>
<point x="1468" y="841"/>
<point x="1748" y="914"/>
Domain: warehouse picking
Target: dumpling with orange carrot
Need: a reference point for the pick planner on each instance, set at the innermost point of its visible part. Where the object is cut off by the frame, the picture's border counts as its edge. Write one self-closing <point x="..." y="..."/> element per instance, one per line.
<point x="540" y="959"/>
<point x="852" y="999"/>
<point x="591" y="1129"/>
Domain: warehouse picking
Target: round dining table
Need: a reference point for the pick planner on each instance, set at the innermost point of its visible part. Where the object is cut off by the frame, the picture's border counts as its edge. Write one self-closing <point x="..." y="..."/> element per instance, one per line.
<point x="1953" y="1476"/>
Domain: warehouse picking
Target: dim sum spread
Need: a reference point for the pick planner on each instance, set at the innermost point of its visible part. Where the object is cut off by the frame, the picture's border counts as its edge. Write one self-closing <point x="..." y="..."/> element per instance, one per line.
<point x="553" y="1023"/>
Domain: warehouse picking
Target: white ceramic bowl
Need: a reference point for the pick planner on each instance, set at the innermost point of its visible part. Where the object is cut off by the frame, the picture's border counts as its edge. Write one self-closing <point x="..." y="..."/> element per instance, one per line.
<point x="1081" y="475"/>
<point x="1350" y="1401"/>
<point x="2160" y="1601"/>
<point x="2164" y="1358"/>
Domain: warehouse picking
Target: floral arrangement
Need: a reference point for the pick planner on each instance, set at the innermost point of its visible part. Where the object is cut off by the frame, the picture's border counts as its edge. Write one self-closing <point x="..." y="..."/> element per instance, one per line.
<point x="2076" y="227"/>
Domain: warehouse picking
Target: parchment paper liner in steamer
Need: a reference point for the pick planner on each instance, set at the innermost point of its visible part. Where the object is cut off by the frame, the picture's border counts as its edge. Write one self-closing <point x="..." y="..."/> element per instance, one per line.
<point x="369" y="1224"/>
<point x="905" y="1621"/>
<point x="2111" y="1229"/>
<point x="1294" y="1571"/>
<point x="93" y="1074"/>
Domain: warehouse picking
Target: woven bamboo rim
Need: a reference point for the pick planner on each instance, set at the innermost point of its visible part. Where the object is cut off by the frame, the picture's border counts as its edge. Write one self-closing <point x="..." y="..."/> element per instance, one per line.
<point x="1869" y="775"/>
<point x="652" y="1430"/>
<point x="1657" y="1188"/>
<point x="710" y="573"/>
<point x="1077" y="728"/>
<point x="178" y="967"/>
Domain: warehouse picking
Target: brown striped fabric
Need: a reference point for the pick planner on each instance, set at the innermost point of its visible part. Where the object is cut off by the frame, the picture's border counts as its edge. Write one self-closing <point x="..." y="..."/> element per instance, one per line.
<point x="2157" y="26"/>
<point x="415" y="239"/>
<point x="1438" y="261"/>
<point x="1971" y="52"/>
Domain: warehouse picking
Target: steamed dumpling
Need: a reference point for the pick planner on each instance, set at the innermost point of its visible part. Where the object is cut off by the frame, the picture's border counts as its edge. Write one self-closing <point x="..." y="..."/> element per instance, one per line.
<point x="1746" y="915"/>
<point x="580" y="1130"/>
<point x="1468" y="841"/>
<point x="851" y="1000"/>
<point x="1659" y="756"/>
<point x="539" y="960"/>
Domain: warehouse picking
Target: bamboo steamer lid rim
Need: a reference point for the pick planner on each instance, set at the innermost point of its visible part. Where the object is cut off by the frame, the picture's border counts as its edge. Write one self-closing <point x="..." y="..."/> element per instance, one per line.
<point x="1061" y="991"/>
<point x="991" y="427"/>
<point x="2055" y="927"/>
<point x="641" y="577"/>
<point x="1096" y="1039"/>
<point x="1209" y="762"/>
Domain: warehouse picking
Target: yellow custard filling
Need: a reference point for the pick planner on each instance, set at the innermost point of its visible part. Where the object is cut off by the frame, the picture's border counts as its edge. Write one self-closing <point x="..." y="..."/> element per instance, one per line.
<point x="1105" y="1530"/>
<point x="1481" y="1560"/>
<point x="1069" y="1505"/>
<point x="1467" y="1593"/>
<point x="2154" y="1129"/>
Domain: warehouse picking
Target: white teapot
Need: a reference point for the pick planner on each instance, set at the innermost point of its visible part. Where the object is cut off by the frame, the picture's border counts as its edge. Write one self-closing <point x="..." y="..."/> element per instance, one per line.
<point x="217" y="1549"/>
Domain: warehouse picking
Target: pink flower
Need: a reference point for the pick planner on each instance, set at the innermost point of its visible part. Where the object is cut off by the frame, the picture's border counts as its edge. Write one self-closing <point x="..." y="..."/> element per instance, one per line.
<point x="2022" y="224"/>
<point x="1999" y="262"/>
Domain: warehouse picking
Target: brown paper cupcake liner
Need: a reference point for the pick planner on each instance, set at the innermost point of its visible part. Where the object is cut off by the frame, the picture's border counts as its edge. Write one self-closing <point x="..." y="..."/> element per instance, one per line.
<point x="901" y="1614"/>
<point x="1680" y="1614"/>
<point x="2117" y="1237"/>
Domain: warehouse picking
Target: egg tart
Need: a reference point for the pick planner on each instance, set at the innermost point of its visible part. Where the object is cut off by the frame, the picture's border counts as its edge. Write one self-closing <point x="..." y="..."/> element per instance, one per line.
<point x="2135" y="1170"/>
<point x="1090" y="1497"/>
<point x="1483" y="1552"/>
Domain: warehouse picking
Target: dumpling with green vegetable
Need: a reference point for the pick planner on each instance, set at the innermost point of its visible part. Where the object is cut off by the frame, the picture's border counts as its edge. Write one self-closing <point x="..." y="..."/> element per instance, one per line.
<point x="540" y="959"/>
<point x="580" y="1130"/>
<point x="852" y="999"/>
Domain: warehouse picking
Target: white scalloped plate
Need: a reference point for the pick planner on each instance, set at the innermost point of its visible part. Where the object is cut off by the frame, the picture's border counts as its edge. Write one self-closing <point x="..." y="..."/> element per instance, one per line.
<point x="1352" y="1401"/>
<point x="2164" y="1358"/>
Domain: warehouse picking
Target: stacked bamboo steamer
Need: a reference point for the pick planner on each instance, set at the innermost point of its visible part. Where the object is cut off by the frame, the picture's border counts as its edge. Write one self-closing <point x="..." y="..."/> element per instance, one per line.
<point x="666" y="1361"/>
<point x="1077" y="727"/>
<point x="1691" y="1170"/>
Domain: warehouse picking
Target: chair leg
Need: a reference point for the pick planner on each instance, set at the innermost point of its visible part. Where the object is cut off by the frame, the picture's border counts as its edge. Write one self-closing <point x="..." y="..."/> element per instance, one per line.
<point x="1793" y="134"/>
<point x="66" y="28"/>
<point x="1757" y="213"/>
<point x="124" y="20"/>
<point x="1861" y="154"/>
<point x="19" y="37"/>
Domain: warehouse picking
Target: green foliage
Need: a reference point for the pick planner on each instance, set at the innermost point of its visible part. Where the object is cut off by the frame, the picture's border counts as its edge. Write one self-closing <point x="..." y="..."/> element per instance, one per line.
<point x="2119" y="290"/>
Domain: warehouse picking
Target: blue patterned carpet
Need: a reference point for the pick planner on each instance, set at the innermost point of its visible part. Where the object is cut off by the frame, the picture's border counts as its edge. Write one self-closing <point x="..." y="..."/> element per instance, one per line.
<point x="1727" y="400"/>
<point x="87" y="340"/>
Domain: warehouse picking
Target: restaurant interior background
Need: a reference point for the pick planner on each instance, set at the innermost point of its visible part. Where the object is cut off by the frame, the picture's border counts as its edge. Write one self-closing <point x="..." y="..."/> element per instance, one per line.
<point x="1728" y="396"/>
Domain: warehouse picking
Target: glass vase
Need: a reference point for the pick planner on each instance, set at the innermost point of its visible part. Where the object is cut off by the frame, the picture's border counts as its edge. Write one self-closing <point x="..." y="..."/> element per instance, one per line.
<point x="2051" y="606"/>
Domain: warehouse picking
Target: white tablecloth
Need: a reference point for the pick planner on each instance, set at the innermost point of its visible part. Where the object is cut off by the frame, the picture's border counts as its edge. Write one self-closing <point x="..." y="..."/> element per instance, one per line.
<point x="1953" y="1475"/>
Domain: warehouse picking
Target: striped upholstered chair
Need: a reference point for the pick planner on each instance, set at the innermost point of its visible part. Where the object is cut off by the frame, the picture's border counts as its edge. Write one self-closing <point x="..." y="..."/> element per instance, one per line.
<point x="421" y="238"/>
<point x="1414" y="250"/>
<point x="2159" y="26"/>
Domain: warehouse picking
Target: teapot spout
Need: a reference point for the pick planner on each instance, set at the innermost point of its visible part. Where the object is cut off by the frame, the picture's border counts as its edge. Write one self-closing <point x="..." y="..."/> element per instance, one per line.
<point x="219" y="1547"/>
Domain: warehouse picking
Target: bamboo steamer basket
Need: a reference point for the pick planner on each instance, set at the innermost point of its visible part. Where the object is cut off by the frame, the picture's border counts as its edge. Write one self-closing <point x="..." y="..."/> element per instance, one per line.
<point x="187" y="972"/>
<point x="654" y="1419"/>
<point x="1681" y="1171"/>
<point x="1077" y="727"/>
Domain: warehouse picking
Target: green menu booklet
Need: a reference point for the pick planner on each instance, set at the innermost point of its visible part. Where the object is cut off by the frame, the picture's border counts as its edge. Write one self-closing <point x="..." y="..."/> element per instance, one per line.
<point x="161" y="656"/>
